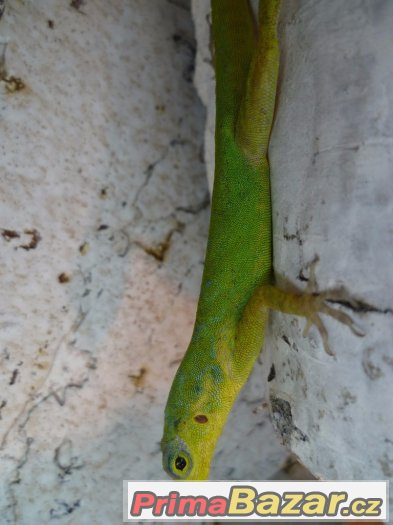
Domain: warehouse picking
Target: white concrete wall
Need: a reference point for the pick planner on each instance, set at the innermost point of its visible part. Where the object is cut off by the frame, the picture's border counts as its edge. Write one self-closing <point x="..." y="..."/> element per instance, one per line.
<point x="332" y="158"/>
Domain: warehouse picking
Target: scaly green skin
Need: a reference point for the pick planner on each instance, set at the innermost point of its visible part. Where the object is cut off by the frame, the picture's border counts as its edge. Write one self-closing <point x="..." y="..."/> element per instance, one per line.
<point x="229" y="327"/>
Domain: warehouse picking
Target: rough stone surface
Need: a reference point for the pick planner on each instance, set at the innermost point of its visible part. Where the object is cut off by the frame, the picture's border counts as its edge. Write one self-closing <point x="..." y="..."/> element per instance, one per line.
<point x="331" y="155"/>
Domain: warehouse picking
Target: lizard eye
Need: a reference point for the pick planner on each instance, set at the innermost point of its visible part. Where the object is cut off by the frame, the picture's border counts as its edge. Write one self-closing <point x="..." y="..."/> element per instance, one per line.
<point x="177" y="460"/>
<point x="180" y="463"/>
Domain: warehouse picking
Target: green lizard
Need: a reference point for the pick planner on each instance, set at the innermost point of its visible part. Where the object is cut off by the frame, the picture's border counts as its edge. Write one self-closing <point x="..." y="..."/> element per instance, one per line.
<point x="237" y="287"/>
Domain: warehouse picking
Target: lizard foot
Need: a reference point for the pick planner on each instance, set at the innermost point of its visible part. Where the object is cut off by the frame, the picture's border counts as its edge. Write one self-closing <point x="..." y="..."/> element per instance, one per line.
<point x="316" y="304"/>
<point x="309" y="304"/>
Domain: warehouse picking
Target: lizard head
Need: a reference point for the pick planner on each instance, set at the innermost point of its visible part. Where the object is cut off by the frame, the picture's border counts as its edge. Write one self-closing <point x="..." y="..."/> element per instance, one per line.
<point x="187" y="450"/>
<point x="196" y="411"/>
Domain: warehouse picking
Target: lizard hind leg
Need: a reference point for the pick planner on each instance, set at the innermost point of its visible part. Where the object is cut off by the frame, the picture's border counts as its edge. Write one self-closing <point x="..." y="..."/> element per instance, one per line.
<point x="309" y="304"/>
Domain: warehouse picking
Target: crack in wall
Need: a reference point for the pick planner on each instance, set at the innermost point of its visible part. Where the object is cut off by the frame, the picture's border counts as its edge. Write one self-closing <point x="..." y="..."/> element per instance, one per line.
<point x="359" y="306"/>
<point x="64" y="460"/>
<point x="149" y="171"/>
<point x="160" y="250"/>
<point x="59" y="395"/>
<point x="194" y="210"/>
<point x="11" y="507"/>
<point x="34" y="401"/>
